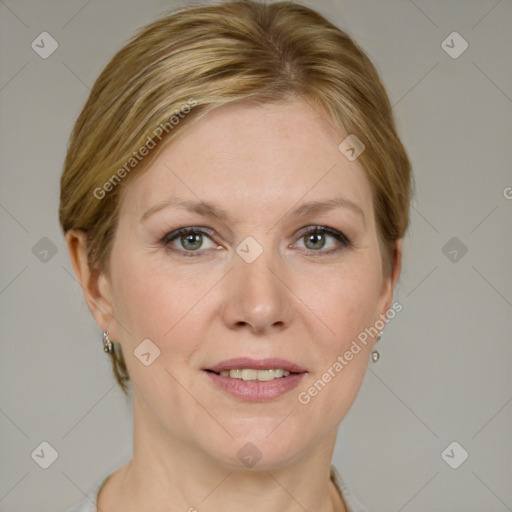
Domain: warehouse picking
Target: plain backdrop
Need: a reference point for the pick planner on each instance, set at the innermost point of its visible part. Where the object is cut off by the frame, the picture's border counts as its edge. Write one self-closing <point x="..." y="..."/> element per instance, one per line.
<point x="444" y="373"/>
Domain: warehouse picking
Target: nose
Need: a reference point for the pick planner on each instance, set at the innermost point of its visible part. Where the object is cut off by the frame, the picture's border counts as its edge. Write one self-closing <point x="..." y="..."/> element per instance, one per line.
<point x="257" y="296"/>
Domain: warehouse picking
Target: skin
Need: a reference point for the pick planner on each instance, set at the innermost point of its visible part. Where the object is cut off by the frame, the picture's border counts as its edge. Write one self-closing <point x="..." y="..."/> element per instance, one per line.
<point x="294" y="301"/>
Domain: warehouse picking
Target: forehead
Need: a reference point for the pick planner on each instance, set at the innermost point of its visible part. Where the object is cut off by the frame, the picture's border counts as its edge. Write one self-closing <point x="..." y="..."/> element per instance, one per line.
<point x="246" y="156"/>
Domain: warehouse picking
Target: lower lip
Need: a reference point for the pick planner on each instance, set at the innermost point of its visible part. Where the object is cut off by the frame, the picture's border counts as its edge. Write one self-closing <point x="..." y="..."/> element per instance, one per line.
<point x="255" y="390"/>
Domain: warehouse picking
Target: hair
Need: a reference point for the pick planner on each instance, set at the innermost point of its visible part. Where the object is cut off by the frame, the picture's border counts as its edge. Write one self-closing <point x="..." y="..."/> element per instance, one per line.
<point x="178" y="68"/>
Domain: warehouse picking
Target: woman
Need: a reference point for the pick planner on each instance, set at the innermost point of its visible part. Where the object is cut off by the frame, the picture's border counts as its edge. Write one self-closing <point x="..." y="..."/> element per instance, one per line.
<point x="234" y="199"/>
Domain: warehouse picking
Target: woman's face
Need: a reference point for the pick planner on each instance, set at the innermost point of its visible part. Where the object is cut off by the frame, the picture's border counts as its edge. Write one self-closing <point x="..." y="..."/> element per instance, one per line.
<point x="247" y="282"/>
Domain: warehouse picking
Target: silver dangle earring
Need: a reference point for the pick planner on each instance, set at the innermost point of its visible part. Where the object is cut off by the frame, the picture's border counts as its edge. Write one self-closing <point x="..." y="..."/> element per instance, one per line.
<point x="107" y="342"/>
<point x="375" y="353"/>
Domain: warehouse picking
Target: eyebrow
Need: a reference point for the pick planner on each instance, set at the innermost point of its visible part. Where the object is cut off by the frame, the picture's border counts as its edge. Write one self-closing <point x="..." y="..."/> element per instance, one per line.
<point x="209" y="210"/>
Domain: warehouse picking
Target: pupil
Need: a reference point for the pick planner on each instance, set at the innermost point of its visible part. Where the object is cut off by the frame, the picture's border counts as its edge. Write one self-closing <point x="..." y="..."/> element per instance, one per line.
<point x="315" y="238"/>
<point x="193" y="239"/>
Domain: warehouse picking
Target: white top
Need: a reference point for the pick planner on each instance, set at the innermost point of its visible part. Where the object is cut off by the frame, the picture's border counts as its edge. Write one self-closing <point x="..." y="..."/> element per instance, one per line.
<point x="351" y="502"/>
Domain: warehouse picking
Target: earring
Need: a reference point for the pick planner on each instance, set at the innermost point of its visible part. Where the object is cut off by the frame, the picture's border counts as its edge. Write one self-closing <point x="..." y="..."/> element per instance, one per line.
<point x="375" y="353"/>
<point x="107" y="342"/>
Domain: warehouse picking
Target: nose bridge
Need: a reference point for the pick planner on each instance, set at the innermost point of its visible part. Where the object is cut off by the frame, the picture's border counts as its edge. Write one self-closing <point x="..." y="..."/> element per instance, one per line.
<point x="257" y="297"/>
<point x="253" y="267"/>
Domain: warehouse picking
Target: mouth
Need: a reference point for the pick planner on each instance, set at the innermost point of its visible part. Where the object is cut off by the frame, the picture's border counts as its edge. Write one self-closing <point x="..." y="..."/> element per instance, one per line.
<point x="246" y="368"/>
<point x="256" y="380"/>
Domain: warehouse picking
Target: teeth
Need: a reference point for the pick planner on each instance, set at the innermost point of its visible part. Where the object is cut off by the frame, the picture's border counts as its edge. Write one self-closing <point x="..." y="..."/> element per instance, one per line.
<point x="265" y="375"/>
<point x="251" y="374"/>
<point x="247" y="374"/>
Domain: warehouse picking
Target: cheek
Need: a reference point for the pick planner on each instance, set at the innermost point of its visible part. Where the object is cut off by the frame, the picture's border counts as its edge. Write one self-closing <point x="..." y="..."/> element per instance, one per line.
<point x="153" y="304"/>
<point x="154" y="301"/>
<point x="347" y="304"/>
<point x="146" y="299"/>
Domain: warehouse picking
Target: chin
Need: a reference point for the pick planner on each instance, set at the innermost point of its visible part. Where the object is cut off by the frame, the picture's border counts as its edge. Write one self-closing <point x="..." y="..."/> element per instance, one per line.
<point x="260" y="445"/>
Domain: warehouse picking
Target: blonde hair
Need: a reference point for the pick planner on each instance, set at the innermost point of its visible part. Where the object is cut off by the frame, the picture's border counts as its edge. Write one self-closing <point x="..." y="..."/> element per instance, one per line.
<point x="180" y="67"/>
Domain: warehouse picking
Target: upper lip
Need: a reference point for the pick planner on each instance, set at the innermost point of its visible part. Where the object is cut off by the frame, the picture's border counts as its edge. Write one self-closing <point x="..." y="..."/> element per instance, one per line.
<point x="256" y="364"/>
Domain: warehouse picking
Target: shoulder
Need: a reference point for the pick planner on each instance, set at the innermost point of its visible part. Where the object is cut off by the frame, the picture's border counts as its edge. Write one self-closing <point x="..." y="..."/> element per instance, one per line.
<point x="351" y="502"/>
<point x="90" y="502"/>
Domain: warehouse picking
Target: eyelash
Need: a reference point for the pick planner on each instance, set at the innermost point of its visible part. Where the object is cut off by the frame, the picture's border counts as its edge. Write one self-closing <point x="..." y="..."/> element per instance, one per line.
<point x="311" y="230"/>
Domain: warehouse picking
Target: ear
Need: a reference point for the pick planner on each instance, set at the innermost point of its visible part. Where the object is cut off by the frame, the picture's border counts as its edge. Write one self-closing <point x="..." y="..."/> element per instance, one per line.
<point x="96" y="286"/>
<point x="390" y="280"/>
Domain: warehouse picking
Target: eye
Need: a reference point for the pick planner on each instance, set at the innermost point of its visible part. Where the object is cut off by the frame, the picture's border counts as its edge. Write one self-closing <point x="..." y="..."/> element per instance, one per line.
<point x="316" y="238"/>
<point x="190" y="239"/>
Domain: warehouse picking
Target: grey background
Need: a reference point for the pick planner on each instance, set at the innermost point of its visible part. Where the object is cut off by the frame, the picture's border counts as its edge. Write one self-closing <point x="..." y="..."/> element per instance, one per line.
<point x="445" y="368"/>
